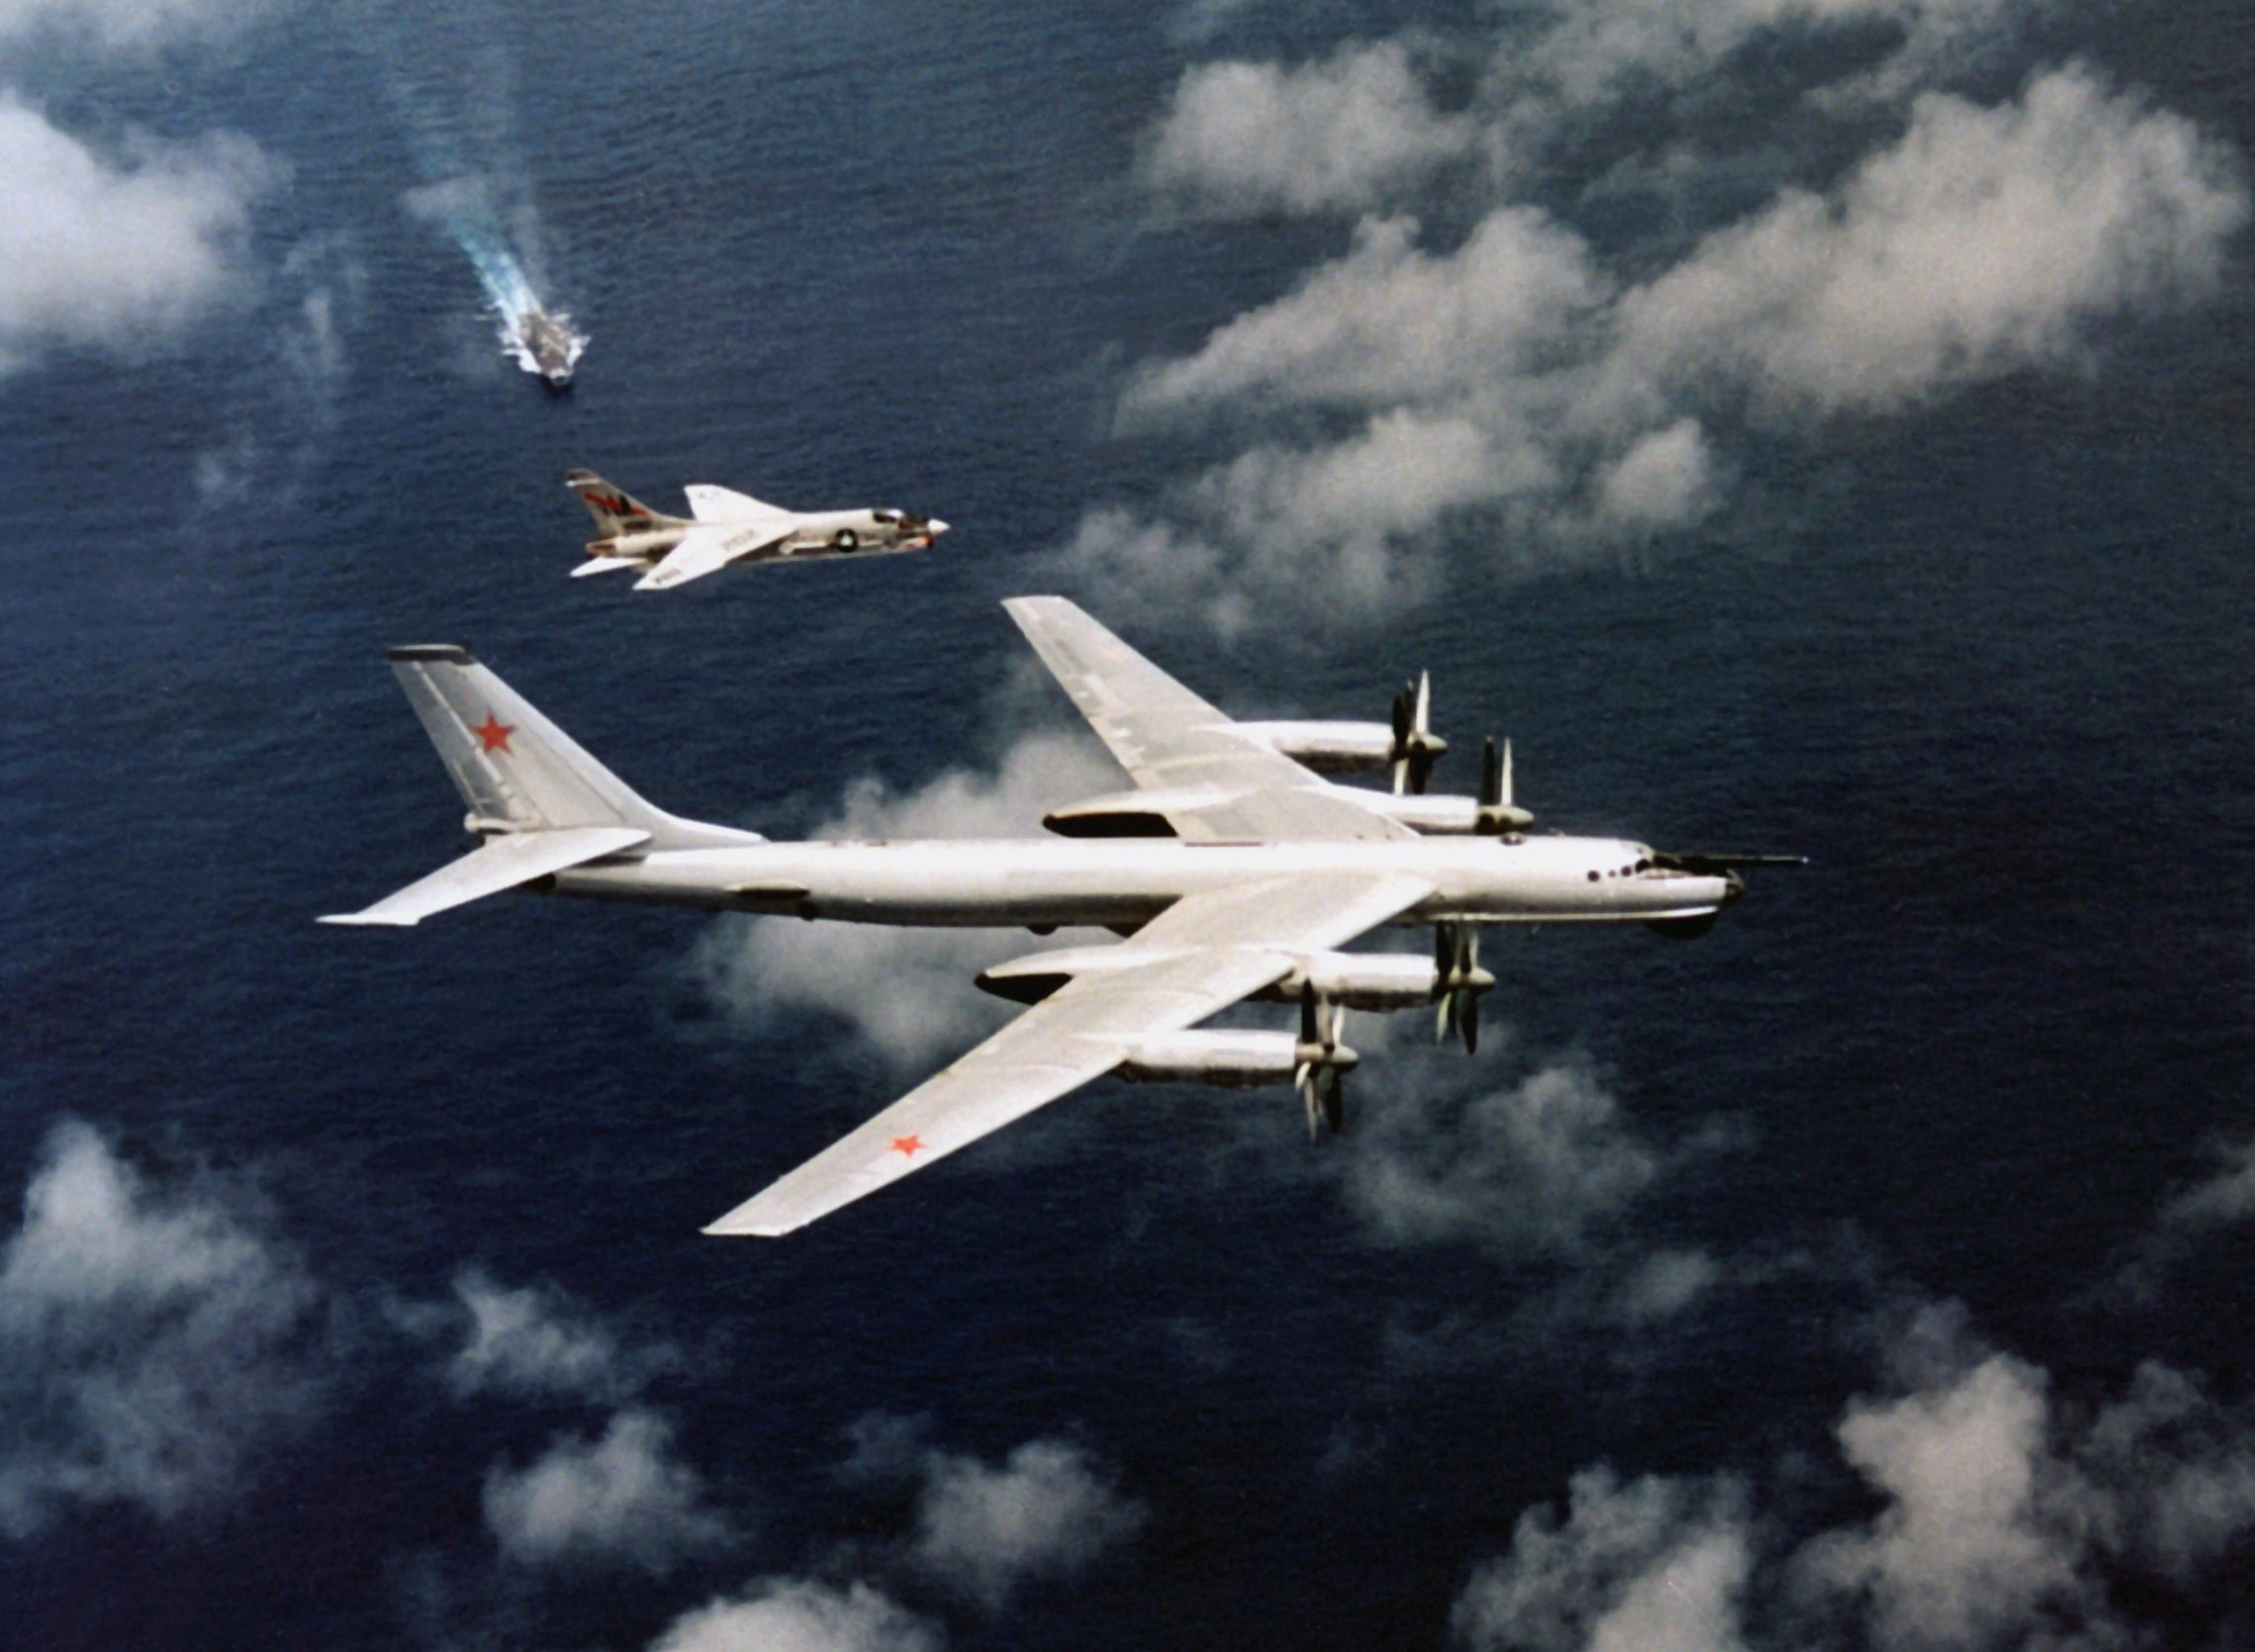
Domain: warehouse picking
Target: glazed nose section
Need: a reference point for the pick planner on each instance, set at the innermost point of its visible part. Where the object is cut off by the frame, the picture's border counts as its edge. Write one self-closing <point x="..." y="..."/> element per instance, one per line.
<point x="935" y="527"/>
<point x="1733" y="886"/>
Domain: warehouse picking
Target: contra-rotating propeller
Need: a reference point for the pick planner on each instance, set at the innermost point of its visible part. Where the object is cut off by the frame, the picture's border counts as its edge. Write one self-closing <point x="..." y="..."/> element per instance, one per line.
<point x="1457" y="982"/>
<point x="1498" y="816"/>
<point x="1416" y="747"/>
<point x="1321" y="1076"/>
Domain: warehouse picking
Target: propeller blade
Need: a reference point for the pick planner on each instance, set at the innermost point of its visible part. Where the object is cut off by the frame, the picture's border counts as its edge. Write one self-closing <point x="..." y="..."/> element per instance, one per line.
<point x="1307" y="1015"/>
<point x="1492" y="774"/>
<point x="1423" y="721"/>
<point x="1332" y="1091"/>
<point x="1468" y="1018"/>
<point x="1444" y="949"/>
<point x="1401" y="718"/>
<point x="1337" y="1026"/>
<point x="1503" y="792"/>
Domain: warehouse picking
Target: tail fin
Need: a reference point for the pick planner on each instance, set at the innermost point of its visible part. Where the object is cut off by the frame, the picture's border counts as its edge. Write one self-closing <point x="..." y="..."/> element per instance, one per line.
<point x="515" y="769"/>
<point x="539" y="802"/>
<point x="614" y="509"/>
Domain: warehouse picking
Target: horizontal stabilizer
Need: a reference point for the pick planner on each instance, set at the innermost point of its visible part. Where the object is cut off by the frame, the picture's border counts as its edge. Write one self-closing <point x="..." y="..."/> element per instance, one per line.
<point x="604" y="565"/>
<point x="502" y="863"/>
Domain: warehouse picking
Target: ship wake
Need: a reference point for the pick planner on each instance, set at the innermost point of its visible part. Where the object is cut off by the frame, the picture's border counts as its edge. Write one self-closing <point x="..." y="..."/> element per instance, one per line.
<point x="465" y="208"/>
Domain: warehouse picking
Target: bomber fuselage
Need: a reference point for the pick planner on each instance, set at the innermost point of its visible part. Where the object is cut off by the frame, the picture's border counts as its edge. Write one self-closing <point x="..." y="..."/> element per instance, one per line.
<point x="1039" y="883"/>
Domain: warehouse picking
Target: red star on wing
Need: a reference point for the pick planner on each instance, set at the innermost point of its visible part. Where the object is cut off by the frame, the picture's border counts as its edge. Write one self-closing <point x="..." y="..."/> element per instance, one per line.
<point x="908" y="1146"/>
<point x="493" y="734"/>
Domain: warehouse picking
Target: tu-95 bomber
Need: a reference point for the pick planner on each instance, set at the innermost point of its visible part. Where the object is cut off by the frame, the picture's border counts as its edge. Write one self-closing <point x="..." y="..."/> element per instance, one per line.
<point x="1231" y="868"/>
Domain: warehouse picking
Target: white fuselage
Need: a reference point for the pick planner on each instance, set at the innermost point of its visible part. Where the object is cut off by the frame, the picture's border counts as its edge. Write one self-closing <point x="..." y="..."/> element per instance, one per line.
<point x="1126" y="881"/>
<point x="857" y="532"/>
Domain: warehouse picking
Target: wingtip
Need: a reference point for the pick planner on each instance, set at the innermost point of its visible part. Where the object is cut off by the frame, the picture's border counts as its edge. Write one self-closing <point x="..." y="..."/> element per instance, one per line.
<point x="756" y="1218"/>
<point x="729" y="1227"/>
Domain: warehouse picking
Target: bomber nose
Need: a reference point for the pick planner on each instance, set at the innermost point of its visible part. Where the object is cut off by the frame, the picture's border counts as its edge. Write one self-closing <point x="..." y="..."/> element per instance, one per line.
<point x="935" y="527"/>
<point x="1732" y="888"/>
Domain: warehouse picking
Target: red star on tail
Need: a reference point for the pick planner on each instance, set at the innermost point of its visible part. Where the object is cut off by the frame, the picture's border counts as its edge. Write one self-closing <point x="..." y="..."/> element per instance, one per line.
<point x="493" y="734"/>
<point x="908" y="1147"/>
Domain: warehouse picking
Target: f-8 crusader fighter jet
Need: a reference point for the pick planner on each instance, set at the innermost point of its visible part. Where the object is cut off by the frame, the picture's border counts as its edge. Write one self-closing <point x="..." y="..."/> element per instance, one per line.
<point x="724" y="526"/>
<point x="1232" y="870"/>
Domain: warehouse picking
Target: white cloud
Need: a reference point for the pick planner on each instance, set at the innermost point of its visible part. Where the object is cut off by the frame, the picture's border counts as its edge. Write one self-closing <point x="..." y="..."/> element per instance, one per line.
<point x="1328" y="524"/>
<point x="1388" y="323"/>
<point x="622" y="1498"/>
<point x="1986" y="241"/>
<point x="1663" y="481"/>
<point x="1047" y="1510"/>
<point x="1963" y="1552"/>
<point x="786" y="1614"/>
<point x="1654" y="1563"/>
<point x="2007" y="1519"/>
<point x="127" y="26"/>
<point x="1538" y="1168"/>
<point x="1403" y="406"/>
<point x="151" y="1340"/>
<point x="118" y="251"/>
<point x="304" y="369"/>
<point x="2169" y="1475"/>
<point x="1155" y="567"/>
<point x="535" y="1342"/>
<point x="2223" y="1199"/>
<point x="1328" y="136"/>
<point x="908" y="992"/>
<point x="1665" y="1284"/>
<point x="1595" y="51"/>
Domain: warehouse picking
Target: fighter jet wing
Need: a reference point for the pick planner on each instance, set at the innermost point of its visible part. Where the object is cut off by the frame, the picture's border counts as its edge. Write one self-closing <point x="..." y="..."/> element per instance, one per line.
<point x="1168" y="738"/>
<point x="710" y="547"/>
<point x="1203" y="954"/>
<point x="709" y="504"/>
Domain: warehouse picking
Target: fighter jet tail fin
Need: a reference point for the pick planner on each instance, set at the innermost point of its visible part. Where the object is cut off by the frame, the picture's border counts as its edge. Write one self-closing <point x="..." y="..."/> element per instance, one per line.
<point x="517" y="771"/>
<point x="616" y="510"/>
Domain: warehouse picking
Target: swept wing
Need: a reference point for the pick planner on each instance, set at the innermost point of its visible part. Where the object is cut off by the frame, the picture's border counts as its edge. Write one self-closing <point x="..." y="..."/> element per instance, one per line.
<point x="1173" y="742"/>
<point x="710" y="504"/>
<point x="1203" y="954"/>
<point x="710" y="547"/>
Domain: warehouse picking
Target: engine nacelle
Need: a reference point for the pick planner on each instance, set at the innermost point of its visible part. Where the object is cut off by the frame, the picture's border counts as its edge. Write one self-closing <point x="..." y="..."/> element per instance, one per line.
<point x="1131" y="814"/>
<point x="1329" y="748"/>
<point x="1434" y="814"/>
<point x="1359" y="981"/>
<point x="1231" y="1060"/>
<point x="1437" y="815"/>
<point x="1030" y="979"/>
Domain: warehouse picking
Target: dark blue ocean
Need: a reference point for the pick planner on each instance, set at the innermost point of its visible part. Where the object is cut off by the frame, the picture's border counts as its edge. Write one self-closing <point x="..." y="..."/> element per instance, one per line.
<point x="1983" y="657"/>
